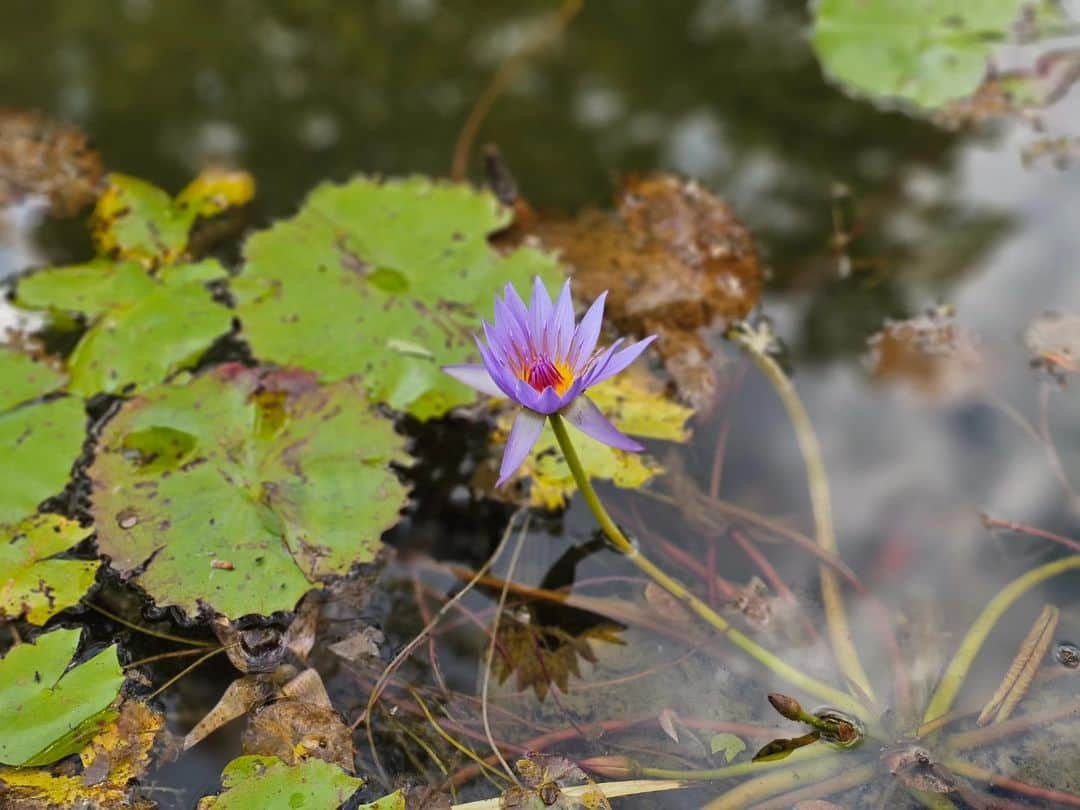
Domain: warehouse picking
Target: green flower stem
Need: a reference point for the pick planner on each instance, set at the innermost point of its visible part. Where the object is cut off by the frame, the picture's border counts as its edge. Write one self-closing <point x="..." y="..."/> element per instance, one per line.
<point x="752" y="791"/>
<point x="792" y="675"/>
<point x="821" y="503"/>
<point x="953" y="679"/>
<point x="797" y="758"/>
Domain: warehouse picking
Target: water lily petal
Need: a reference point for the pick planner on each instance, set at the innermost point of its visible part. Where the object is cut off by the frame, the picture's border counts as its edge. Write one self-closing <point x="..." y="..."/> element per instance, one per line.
<point x="517" y="307"/>
<point x="598" y="367"/>
<point x="586" y="417"/>
<point x="475" y="376"/>
<point x="561" y="326"/>
<point x="540" y="310"/>
<point x="583" y="343"/>
<point x="621" y="360"/>
<point x="497" y="371"/>
<point x="523" y="436"/>
<point x="509" y="326"/>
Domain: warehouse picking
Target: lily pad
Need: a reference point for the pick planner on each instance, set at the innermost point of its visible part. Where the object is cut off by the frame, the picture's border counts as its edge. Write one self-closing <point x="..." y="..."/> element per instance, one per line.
<point x="137" y="221"/>
<point x="926" y="52"/>
<point x="143" y="327"/>
<point x="23" y="378"/>
<point x="256" y="783"/>
<point x="242" y="489"/>
<point x="386" y="280"/>
<point x="635" y="405"/>
<point x="34" y="584"/>
<point x="39" y="443"/>
<point x="47" y="713"/>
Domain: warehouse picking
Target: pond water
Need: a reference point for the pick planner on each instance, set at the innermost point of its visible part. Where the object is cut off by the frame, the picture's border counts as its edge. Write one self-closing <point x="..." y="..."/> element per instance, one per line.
<point x="731" y="94"/>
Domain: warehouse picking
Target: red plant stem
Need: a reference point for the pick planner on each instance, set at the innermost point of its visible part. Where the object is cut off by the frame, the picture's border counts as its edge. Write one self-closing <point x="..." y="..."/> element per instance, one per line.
<point x="984" y="736"/>
<point x="1012" y="526"/>
<point x="1056" y="798"/>
<point x="710" y="579"/>
<point x="774" y="579"/>
<point x="717" y="471"/>
<point x="425" y="617"/>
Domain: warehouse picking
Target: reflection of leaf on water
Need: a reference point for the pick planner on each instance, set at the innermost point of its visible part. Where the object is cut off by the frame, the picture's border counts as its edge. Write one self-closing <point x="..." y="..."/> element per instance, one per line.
<point x="255" y="783"/>
<point x="926" y="52"/>
<point x="674" y="261"/>
<point x="118" y="755"/>
<point x="47" y="713"/>
<point x="286" y="481"/>
<point x="635" y="404"/>
<point x="33" y="583"/>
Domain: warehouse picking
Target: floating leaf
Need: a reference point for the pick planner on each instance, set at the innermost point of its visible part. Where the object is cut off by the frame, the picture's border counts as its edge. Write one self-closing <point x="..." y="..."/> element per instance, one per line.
<point x="926" y="52"/>
<point x="23" y="378"/>
<point x="636" y="406"/>
<point x="727" y="744"/>
<point x="44" y="158"/>
<point x="675" y="262"/>
<point x="33" y="584"/>
<point x="384" y="280"/>
<point x="256" y="783"/>
<point x="137" y="221"/>
<point x="45" y="713"/>
<point x="288" y="481"/>
<point x="395" y="801"/>
<point x="143" y="328"/>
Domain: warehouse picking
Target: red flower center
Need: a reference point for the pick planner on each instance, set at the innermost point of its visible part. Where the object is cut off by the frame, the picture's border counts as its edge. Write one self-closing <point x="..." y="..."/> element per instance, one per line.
<point x="543" y="373"/>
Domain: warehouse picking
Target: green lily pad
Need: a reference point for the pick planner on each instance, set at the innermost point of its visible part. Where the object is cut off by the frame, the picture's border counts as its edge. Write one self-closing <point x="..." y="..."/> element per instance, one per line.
<point x="23" y="378"/>
<point x="926" y="52"/>
<point x="143" y="327"/>
<point x="385" y="280"/>
<point x="267" y="783"/>
<point x="39" y="443"/>
<point x="47" y="713"/>
<point x="137" y="221"/>
<point x="242" y="489"/>
<point x="34" y="584"/>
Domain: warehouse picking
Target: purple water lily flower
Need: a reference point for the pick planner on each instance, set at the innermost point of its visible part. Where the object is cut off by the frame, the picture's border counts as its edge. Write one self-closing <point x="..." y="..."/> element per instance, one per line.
<point x="543" y="361"/>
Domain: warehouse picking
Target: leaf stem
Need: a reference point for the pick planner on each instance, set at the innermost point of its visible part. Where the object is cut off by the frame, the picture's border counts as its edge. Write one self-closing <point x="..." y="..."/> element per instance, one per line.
<point x="784" y="670"/>
<point x="955" y="674"/>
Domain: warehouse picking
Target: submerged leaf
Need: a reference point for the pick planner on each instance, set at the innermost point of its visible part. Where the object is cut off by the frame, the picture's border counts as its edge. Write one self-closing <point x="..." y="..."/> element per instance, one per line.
<point x="256" y="783"/>
<point x="45" y="713"/>
<point x="384" y="280"/>
<point x="1021" y="672"/>
<point x="926" y="52"/>
<point x="288" y="481"/>
<point x="635" y="405"/>
<point x="31" y="583"/>
<point x="727" y="744"/>
<point x="143" y="327"/>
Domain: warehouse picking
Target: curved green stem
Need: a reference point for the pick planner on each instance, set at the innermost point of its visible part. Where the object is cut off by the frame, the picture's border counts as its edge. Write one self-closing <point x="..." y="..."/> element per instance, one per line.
<point x="792" y="675"/>
<point x="955" y="674"/>
<point x="821" y="503"/>
<point x="753" y="791"/>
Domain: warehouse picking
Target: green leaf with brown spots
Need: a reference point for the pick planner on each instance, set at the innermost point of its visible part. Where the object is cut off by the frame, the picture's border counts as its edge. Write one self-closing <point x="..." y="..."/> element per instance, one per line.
<point x="47" y="713"/>
<point x="242" y="489"/>
<point x="23" y="378"/>
<point x="33" y="583"/>
<point x="385" y="280"/>
<point x="143" y="327"/>
<point x="257" y="783"/>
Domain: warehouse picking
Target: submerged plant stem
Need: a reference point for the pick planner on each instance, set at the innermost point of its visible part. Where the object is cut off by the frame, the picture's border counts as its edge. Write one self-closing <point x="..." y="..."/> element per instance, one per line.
<point x="949" y="685"/>
<point x="784" y="670"/>
<point x="821" y="504"/>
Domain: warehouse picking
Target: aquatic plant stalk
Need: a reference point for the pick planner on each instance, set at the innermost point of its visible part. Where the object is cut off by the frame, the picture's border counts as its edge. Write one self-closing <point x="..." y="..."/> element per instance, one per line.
<point x="752" y="791"/>
<point x="791" y="674"/>
<point x="955" y="674"/>
<point x="821" y="505"/>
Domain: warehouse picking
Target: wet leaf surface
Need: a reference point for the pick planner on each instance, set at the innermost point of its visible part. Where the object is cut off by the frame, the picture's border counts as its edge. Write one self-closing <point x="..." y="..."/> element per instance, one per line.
<point x="134" y="220"/>
<point x="32" y="584"/>
<point x="142" y="328"/>
<point x="47" y="713"/>
<point x="45" y="158"/>
<point x="926" y="52"/>
<point x="23" y="378"/>
<point x="635" y="404"/>
<point x="675" y="261"/>
<point x="255" y="783"/>
<point x="387" y="281"/>
<point x="289" y="481"/>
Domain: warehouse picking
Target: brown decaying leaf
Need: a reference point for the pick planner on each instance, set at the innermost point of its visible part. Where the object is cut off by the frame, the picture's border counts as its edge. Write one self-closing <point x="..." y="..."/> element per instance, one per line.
<point x="674" y="261"/>
<point x="542" y="656"/>
<point x="930" y="354"/>
<point x="362" y="644"/>
<point x="45" y="158"/>
<point x="542" y="777"/>
<point x="241" y="696"/>
<point x="294" y="731"/>
<point x="1021" y="672"/>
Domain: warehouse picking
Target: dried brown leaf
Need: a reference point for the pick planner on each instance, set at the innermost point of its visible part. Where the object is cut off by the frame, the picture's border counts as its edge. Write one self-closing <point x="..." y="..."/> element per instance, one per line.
<point x="1021" y="672"/>
<point x="241" y="696"/>
<point x="294" y="731"/>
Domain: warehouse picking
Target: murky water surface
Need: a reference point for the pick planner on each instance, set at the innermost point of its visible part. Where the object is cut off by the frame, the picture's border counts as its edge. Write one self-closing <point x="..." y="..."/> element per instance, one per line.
<point x="729" y="93"/>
